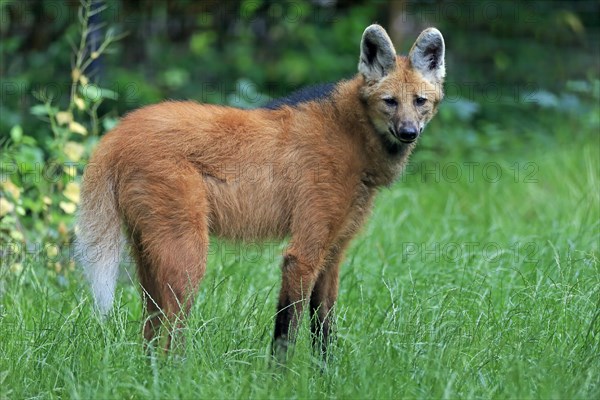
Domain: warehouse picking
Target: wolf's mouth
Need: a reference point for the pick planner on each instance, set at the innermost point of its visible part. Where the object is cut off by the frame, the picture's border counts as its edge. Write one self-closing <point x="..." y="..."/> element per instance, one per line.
<point x="401" y="139"/>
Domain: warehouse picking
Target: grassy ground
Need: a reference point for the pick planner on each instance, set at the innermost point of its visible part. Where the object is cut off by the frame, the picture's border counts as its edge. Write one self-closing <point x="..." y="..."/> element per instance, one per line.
<point x="473" y="286"/>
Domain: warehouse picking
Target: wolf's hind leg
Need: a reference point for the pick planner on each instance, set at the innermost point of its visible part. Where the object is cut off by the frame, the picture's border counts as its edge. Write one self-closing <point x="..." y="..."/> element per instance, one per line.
<point x="168" y="221"/>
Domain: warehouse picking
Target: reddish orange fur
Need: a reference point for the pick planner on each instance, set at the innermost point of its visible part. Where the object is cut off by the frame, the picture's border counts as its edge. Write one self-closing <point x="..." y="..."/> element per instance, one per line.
<point x="178" y="172"/>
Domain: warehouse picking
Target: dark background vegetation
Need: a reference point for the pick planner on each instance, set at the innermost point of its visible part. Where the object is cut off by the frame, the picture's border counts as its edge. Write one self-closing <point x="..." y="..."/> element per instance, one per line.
<point x="504" y="56"/>
<point x="519" y="74"/>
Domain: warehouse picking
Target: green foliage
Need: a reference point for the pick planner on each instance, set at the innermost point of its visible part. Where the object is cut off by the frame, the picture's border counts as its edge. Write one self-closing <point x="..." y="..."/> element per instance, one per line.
<point x="40" y="176"/>
<point x="482" y="284"/>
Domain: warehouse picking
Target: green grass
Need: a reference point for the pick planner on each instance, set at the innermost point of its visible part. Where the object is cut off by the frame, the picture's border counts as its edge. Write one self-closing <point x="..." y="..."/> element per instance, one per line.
<point x="473" y="288"/>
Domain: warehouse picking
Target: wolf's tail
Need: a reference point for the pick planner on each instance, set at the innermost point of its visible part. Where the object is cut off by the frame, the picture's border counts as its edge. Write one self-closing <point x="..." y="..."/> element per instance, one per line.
<point x="99" y="240"/>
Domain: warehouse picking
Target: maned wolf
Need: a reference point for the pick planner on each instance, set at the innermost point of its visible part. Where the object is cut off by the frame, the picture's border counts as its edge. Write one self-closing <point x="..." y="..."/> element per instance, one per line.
<point x="306" y="167"/>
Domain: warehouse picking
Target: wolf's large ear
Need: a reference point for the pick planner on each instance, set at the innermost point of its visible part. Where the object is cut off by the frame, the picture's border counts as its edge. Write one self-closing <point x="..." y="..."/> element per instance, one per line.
<point x="427" y="55"/>
<point x="377" y="54"/>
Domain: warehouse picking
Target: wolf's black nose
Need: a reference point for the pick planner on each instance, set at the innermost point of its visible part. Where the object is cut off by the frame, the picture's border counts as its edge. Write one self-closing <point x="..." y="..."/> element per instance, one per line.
<point x="408" y="134"/>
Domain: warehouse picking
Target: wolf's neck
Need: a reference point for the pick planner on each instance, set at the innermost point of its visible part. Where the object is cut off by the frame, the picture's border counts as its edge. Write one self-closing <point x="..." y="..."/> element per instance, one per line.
<point x="383" y="159"/>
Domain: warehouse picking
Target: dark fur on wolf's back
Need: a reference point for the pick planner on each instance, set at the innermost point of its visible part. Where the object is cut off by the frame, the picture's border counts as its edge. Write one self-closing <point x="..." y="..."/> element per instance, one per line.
<point x="309" y="93"/>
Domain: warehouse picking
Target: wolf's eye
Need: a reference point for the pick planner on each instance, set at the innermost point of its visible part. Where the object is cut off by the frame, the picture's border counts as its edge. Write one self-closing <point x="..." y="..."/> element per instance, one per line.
<point x="390" y="101"/>
<point x="419" y="101"/>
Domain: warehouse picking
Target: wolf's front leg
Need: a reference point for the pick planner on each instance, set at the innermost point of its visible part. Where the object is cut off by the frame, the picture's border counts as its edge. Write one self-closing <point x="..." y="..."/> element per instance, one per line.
<point x="298" y="279"/>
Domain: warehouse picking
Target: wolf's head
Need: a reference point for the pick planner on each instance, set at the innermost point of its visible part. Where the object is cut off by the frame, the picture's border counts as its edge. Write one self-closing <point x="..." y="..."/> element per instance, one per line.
<point x="401" y="93"/>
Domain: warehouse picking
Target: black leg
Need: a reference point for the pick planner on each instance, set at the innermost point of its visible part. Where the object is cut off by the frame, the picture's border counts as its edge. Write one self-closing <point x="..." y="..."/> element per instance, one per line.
<point x="289" y="309"/>
<point x="322" y="301"/>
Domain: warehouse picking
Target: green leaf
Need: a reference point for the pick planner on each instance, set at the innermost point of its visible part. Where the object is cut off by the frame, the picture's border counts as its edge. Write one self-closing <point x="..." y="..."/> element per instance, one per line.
<point x="200" y="42"/>
<point x="109" y="123"/>
<point x="16" y="133"/>
<point x="109" y="94"/>
<point x="35" y="205"/>
<point x="29" y="141"/>
<point x="39" y="110"/>
<point x="95" y="93"/>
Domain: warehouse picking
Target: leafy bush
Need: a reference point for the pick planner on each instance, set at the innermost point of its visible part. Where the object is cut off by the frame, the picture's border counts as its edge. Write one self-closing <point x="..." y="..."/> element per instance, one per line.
<point x="40" y="178"/>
